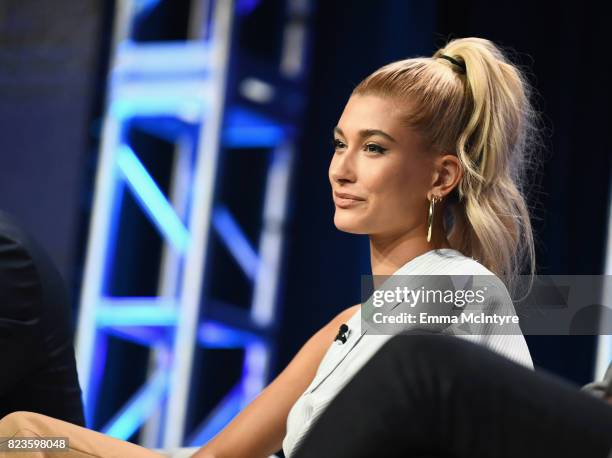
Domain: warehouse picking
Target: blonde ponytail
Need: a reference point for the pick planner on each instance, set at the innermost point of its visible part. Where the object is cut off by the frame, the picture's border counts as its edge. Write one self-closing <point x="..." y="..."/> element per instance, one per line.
<point x="478" y="107"/>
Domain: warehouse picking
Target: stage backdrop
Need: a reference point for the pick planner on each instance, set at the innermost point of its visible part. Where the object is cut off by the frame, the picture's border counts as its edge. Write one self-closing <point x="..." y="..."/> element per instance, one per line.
<point x="51" y="54"/>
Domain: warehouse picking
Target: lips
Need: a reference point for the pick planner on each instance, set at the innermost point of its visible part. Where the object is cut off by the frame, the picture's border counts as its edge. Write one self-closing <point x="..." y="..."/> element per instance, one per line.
<point x="344" y="200"/>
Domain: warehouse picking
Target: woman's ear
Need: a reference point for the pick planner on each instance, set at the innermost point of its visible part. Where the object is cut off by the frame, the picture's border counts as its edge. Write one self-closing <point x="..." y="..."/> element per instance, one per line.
<point x="447" y="174"/>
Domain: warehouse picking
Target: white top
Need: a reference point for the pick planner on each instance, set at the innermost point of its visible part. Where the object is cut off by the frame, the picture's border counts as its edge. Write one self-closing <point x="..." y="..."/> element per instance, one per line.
<point x="341" y="362"/>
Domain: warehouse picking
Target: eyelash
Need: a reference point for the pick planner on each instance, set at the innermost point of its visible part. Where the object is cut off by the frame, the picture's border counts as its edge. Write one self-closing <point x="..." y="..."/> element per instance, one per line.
<point x="378" y="149"/>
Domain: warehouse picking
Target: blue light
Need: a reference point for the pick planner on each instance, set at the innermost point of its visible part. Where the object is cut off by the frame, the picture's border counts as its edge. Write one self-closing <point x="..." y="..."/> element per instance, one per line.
<point x="218" y="335"/>
<point x="136" y="312"/>
<point x="141" y="406"/>
<point x="141" y="335"/>
<point x="246" y="129"/>
<point x="144" y="6"/>
<point x="186" y="110"/>
<point x="245" y="7"/>
<point x="252" y="137"/>
<point x="236" y="241"/>
<point x="254" y="371"/>
<point x="152" y="199"/>
<point x="97" y="370"/>
<point x="151" y="62"/>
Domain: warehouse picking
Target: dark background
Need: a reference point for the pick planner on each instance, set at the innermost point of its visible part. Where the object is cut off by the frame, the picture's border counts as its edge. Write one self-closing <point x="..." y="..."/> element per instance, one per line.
<point x="53" y="63"/>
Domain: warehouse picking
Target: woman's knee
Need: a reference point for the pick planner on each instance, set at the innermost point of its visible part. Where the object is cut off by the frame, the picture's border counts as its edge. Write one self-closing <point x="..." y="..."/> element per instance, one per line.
<point x="15" y="421"/>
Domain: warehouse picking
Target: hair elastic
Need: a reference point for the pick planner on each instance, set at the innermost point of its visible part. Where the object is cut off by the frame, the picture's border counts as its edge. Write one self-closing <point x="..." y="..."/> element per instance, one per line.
<point x="454" y="61"/>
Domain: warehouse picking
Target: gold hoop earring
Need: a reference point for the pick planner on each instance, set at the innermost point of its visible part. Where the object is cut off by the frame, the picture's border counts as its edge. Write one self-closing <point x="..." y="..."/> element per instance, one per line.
<point x="432" y="203"/>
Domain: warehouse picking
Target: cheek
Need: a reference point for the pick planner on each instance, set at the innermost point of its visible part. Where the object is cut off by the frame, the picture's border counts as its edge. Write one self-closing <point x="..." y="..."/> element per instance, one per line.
<point x="395" y="187"/>
<point x="398" y="196"/>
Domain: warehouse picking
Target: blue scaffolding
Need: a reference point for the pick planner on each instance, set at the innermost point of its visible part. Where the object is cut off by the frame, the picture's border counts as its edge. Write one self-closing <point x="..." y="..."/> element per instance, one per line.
<point x="181" y="90"/>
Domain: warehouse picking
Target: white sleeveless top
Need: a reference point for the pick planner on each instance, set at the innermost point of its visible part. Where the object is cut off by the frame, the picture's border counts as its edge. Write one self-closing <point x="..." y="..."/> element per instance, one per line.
<point x="341" y="362"/>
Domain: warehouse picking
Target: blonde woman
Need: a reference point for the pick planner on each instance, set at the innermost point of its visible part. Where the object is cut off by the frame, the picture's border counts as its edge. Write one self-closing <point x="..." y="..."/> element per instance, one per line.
<point x="428" y="160"/>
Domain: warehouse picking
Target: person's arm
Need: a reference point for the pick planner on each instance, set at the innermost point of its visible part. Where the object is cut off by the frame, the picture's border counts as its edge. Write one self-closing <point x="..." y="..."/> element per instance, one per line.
<point x="258" y="430"/>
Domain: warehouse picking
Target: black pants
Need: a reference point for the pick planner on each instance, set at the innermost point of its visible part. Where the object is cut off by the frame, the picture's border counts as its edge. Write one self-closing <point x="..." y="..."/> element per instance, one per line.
<point x="441" y="396"/>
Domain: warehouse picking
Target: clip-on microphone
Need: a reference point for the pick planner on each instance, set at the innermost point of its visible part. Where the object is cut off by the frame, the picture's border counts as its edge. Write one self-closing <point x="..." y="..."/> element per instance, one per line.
<point x="342" y="332"/>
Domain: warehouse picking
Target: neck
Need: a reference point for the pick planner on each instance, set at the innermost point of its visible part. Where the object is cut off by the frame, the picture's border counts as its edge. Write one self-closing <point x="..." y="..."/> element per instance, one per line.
<point x="390" y="252"/>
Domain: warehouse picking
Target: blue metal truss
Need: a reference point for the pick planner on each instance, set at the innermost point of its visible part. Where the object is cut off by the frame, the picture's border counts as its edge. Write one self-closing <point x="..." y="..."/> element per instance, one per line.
<point x="186" y="82"/>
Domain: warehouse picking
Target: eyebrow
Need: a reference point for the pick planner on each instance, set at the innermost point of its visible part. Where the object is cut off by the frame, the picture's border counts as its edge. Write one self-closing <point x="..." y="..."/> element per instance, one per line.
<point x="364" y="133"/>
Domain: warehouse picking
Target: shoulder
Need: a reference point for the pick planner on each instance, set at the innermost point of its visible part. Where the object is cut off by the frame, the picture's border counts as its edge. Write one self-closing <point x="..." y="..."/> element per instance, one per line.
<point x="327" y="333"/>
<point x="456" y="263"/>
<point x="21" y="285"/>
<point x="344" y="316"/>
<point x="341" y="318"/>
<point x="453" y="262"/>
<point x="16" y="245"/>
<point x="16" y="259"/>
<point x="350" y="311"/>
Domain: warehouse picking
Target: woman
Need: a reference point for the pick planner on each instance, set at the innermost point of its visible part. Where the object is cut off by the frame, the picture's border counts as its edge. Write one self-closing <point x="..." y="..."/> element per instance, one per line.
<point x="449" y="133"/>
<point x="428" y="162"/>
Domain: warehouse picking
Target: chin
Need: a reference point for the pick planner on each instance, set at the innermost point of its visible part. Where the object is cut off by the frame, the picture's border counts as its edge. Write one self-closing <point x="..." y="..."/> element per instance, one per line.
<point x="348" y="223"/>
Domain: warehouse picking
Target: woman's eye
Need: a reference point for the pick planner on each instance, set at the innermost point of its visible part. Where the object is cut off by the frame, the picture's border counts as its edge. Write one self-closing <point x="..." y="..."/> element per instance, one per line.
<point x="373" y="148"/>
<point x="370" y="147"/>
<point x="337" y="143"/>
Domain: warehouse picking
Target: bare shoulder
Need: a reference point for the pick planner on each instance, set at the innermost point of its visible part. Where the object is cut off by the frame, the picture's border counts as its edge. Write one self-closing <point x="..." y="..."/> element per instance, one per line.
<point x="346" y="314"/>
<point x="327" y="333"/>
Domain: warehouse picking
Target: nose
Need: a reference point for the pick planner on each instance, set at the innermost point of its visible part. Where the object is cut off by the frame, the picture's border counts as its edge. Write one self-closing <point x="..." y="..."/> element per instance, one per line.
<point x="342" y="168"/>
